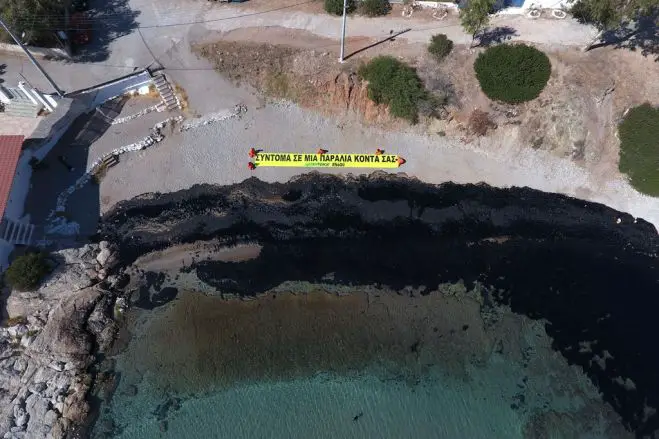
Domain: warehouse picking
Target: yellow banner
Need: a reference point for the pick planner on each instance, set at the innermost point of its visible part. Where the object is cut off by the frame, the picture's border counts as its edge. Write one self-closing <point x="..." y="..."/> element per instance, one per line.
<point x="327" y="160"/>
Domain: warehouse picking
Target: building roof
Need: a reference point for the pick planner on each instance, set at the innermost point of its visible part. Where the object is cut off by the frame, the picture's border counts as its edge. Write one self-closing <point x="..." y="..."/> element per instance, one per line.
<point x="10" y="151"/>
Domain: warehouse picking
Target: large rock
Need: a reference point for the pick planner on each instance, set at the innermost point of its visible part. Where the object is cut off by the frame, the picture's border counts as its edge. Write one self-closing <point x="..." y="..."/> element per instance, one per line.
<point x="80" y="255"/>
<point x="76" y="407"/>
<point x="100" y="323"/>
<point x="17" y="331"/>
<point x="20" y="416"/>
<point x="103" y="256"/>
<point x="36" y="408"/>
<point x="65" y="338"/>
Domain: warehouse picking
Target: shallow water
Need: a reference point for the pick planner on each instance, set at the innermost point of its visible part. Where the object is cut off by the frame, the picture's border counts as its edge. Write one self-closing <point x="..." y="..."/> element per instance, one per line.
<point x="326" y="407"/>
<point x="365" y="365"/>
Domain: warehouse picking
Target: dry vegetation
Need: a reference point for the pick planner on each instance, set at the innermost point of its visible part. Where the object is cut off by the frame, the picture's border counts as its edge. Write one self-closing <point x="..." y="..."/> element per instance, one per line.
<point x="480" y="122"/>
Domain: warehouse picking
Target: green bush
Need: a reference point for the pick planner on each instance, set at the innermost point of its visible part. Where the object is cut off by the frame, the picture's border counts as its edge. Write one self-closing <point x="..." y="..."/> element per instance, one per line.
<point x="375" y="8"/>
<point x="512" y="73"/>
<point x="335" y="7"/>
<point x="27" y="271"/>
<point x="639" y="148"/>
<point x="440" y="46"/>
<point x="395" y="84"/>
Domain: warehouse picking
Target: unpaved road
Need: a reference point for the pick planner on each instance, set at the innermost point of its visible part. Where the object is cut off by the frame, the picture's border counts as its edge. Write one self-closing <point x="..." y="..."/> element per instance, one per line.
<point x="168" y="27"/>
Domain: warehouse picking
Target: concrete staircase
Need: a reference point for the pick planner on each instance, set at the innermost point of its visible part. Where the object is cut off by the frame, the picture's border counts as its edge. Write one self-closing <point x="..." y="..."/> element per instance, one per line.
<point x="15" y="232"/>
<point x="20" y="104"/>
<point x="169" y="100"/>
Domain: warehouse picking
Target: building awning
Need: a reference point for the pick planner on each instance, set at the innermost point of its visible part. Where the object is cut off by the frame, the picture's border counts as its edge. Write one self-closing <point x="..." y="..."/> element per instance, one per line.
<point x="10" y="151"/>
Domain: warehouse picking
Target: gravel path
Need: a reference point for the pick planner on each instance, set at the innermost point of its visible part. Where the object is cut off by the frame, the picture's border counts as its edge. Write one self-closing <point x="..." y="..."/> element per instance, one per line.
<point x="217" y="153"/>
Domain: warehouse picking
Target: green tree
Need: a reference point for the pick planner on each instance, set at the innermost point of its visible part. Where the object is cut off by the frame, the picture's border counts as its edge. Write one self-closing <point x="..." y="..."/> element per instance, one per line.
<point x="607" y="15"/>
<point x="27" y="271"/>
<point x="475" y="16"/>
<point x="639" y="148"/>
<point x="512" y="73"/>
<point x="34" y="20"/>
<point x="335" y="7"/>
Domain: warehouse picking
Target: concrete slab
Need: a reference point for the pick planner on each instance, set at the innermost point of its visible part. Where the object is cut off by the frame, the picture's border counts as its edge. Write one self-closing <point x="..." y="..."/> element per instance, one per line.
<point x="23" y="126"/>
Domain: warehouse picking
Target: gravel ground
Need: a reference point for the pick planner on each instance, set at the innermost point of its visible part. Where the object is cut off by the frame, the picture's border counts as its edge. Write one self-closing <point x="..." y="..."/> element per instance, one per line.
<point x="217" y="154"/>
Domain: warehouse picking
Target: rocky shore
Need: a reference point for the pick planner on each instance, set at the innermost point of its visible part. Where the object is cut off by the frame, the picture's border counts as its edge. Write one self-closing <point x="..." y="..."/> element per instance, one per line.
<point x="587" y="271"/>
<point x="53" y="338"/>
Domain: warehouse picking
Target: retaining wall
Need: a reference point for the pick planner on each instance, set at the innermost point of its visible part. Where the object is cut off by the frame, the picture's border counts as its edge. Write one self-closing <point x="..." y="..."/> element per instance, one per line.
<point x="40" y="52"/>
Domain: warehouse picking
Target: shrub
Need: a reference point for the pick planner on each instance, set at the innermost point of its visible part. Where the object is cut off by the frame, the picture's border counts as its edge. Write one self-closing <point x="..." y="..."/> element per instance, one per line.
<point x="335" y="7"/>
<point x="27" y="271"/>
<point x="440" y="46"/>
<point x="16" y="320"/>
<point x="375" y="8"/>
<point x="395" y="84"/>
<point x="480" y="122"/>
<point x="512" y="73"/>
<point x="639" y="148"/>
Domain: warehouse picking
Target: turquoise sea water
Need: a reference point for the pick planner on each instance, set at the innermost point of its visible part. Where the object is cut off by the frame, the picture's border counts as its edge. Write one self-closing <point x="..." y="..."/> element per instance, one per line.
<point x="325" y="407"/>
<point x="401" y="392"/>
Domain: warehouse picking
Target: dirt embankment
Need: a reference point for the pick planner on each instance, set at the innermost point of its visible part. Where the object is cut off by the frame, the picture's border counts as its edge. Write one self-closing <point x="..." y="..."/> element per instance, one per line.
<point x="307" y="77"/>
<point x="574" y="117"/>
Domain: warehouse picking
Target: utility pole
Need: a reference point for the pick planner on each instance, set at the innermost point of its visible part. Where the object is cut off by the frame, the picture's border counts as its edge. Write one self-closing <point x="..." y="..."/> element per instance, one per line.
<point x="343" y="30"/>
<point x="34" y="61"/>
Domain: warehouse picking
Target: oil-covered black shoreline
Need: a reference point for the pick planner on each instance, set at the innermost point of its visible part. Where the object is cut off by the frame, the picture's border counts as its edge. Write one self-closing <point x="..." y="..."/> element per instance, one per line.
<point x="589" y="270"/>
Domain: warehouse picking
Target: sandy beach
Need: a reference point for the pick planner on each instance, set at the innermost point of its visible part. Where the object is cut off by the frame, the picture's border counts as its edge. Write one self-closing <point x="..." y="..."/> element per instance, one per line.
<point x="217" y="154"/>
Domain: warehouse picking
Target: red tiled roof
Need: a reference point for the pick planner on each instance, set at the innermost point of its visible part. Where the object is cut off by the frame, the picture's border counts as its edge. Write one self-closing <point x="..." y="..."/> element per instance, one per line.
<point x="10" y="150"/>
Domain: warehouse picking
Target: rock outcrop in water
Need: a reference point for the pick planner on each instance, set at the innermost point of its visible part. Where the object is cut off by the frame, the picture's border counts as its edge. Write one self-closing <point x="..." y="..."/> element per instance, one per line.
<point x="590" y="272"/>
<point x="54" y="335"/>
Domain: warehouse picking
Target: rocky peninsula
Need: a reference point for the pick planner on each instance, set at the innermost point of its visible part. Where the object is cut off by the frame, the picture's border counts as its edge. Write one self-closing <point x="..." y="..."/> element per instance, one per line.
<point x="53" y="337"/>
<point x="588" y="273"/>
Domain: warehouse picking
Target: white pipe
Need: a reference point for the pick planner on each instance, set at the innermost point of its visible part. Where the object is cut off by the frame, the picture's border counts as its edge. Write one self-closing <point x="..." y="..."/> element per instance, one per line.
<point x="21" y="85"/>
<point x="343" y="29"/>
<point x="4" y="98"/>
<point x="51" y="101"/>
<point x="37" y="95"/>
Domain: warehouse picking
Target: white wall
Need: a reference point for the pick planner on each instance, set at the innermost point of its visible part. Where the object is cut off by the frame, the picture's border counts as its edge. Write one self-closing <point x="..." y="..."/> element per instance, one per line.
<point x="103" y="93"/>
<point x="45" y="147"/>
<point x="19" y="188"/>
<point x="16" y="202"/>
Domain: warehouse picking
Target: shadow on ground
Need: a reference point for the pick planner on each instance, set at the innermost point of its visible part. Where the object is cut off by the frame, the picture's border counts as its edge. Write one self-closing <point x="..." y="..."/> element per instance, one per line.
<point x="392" y="37"/>
<point x="641" y="35"/>
<point x="61" y="168"/>
<point x="3" y="68"/>
<point x="110" y="19"/>
<point x="496" y="35"/>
